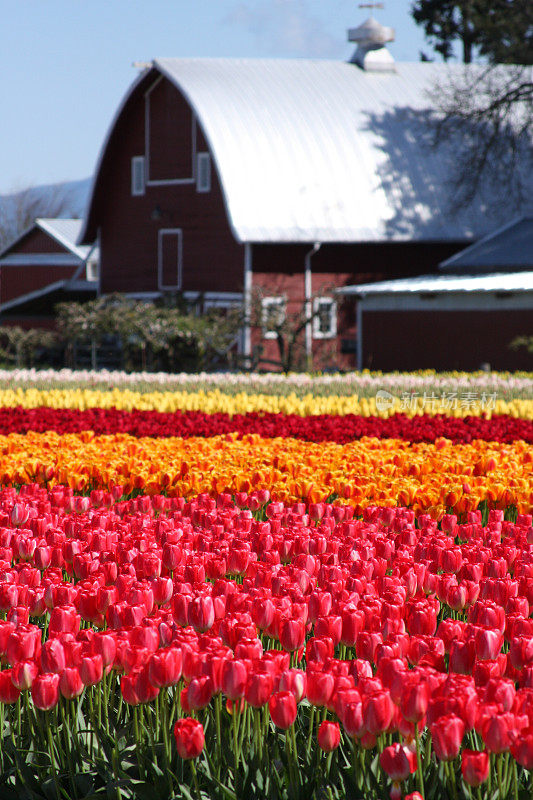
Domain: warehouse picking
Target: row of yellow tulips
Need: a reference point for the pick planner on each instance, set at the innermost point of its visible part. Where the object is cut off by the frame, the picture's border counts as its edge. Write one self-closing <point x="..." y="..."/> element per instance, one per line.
<point x="384" y="404"/>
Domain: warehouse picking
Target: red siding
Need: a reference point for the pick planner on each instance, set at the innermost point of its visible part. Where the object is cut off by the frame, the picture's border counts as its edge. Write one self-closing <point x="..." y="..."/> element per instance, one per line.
<point x="170" y="139"/>
<point x="444" y="340"/>
<point x="17" y="281"/>
<point x="212" y="259"/>
<point x="279" y="269"/>
<point x="37" y="241"/>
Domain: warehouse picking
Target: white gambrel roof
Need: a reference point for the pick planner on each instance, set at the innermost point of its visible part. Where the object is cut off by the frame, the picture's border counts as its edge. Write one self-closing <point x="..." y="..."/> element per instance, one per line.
<point x="314" y="150"/>
<point x="437" y="284"/>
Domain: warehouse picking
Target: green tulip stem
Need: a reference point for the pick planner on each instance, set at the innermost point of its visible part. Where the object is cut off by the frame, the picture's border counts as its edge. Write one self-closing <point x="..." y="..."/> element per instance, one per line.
<point x="419" y="762"/>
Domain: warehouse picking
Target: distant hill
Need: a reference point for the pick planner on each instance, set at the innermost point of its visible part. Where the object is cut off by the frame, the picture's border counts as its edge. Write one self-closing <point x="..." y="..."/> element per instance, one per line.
<point x="19" y="209"/>
<point x="75" y="195"/>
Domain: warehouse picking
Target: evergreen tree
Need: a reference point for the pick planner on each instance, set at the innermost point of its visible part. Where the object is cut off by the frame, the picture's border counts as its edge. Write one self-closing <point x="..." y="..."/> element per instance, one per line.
<point x="499" y="31"/>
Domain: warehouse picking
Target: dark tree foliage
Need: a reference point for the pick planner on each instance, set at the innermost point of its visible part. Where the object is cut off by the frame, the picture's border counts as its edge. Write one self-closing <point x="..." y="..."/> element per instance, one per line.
<point x="506" y="32"/>
<point x="499" y="31"/>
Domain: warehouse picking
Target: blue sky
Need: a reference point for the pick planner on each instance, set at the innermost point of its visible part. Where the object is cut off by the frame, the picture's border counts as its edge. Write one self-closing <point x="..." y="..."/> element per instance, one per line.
<point x="67" y="63"/>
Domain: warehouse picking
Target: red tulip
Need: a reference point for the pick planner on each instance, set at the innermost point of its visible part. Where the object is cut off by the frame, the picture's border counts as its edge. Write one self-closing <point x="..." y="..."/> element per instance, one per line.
<point x="447" y="735"/>
<point x="283" y="709"/>
<point x="91" y="670"/>
<point x="258" y="689"/>
<point x="488" y="643"/>
<point x="398" y="762"/>
<point x="522" y="749"/>
<point x="521" y="651"/>
<point x="234" y="677"/>
<point x="319" y="687"/>
<point x="45" y="691"/>
<point x="19" y="514"/>
<point x="294" y="681"/>
<point x="498" y="731"/>
<point x="378" y="710"/>
<point x="9" y="693"/>
<point x="329" y="627"/>
<point x="189" y="736"/>
<point x="70" y="683"/>
<point x="329" y="736"/>
<point x="23" y="644"/>
<point x="164" y="667"/>
<point x="63" y="619"/>
<point x="291" y="633"/>
<point x="414" y="700"/>
<point x="199" y="693"/>
<point x="462" y="657"/>
<point x="318" y="650"/>
<point x="53" y="656"/>
<point x="104" y="644"/>
<point x="23" y="674"/>
<point x="201" y="613"/>
<point x="475" y="766"/>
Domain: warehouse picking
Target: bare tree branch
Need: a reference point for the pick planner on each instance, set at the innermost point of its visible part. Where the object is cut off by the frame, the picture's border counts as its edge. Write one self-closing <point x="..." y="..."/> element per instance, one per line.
<point x="486" y="116"/>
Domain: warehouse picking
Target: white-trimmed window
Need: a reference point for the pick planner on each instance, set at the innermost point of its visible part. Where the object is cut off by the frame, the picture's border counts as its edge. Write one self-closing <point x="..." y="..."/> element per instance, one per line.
<point x="203" y="172"/>
<point x="92" y="270"/>
<point x="137" y="175"/>
<point x="170" y="259"/>
<point x="324" y="318"/>
<point x="273" y="311"/>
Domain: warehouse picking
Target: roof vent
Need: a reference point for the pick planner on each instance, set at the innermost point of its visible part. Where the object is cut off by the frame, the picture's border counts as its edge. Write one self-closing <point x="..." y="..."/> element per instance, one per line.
<point x="371" y="53"/>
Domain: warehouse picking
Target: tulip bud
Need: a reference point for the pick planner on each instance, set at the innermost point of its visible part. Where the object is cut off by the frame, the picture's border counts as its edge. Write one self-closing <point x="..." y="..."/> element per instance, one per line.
<point x="23" y="674"/>
<point x="45" y="691"/>
<point x="201" y="613"/>
<point x="189" y="736"/>
<point x="9" y="693"/>
<point x="475" y="766"/>
<point x="234" y="677"/>
<point x="291" y="633"/>
<point x="329" y="736"/>
<point x="70" y="683"/>
<point x="378" y="710"/>
<point x="447" y="734"/>
<point x="283" y="709"/>
<point x="91" y="670"/>
<point x="258" y="689"/>
<point x="398" y="761"/>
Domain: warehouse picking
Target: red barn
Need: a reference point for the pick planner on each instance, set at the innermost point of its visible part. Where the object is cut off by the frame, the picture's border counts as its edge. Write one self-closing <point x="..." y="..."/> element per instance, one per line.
<point x="219" y="177"/>
<point x="42" y="267"/>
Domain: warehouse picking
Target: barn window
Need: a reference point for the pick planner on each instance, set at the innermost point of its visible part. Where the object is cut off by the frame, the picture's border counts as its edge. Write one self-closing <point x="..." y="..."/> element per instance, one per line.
<point x="273" y="311"/>
<point x="170" y="257"/>
<point x="137" y="175"/>
<point x="203" y="172"/>
<point x="324" y="318"/>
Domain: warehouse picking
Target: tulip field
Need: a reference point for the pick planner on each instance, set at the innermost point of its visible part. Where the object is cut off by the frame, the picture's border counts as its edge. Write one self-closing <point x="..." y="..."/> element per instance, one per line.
<point x="226" y="587"/>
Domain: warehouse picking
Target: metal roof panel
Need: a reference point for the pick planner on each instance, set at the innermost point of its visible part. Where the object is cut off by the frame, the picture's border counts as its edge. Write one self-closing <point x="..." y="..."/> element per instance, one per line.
<point x="509" y="247"/>
<point x="493" y="282"/>
<point x="315" y="150"/>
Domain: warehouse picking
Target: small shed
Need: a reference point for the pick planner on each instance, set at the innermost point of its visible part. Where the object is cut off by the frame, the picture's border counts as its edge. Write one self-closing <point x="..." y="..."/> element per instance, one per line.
<point x="444" y="322"/>
<point x="42" y="267"/>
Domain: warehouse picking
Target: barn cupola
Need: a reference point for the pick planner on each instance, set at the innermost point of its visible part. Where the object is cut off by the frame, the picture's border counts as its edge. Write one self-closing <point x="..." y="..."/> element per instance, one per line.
<point x="372" y="54"/>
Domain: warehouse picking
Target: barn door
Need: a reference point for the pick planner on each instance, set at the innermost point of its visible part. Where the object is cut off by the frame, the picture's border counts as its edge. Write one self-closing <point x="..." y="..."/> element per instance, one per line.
<point x="169" y="256"/>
